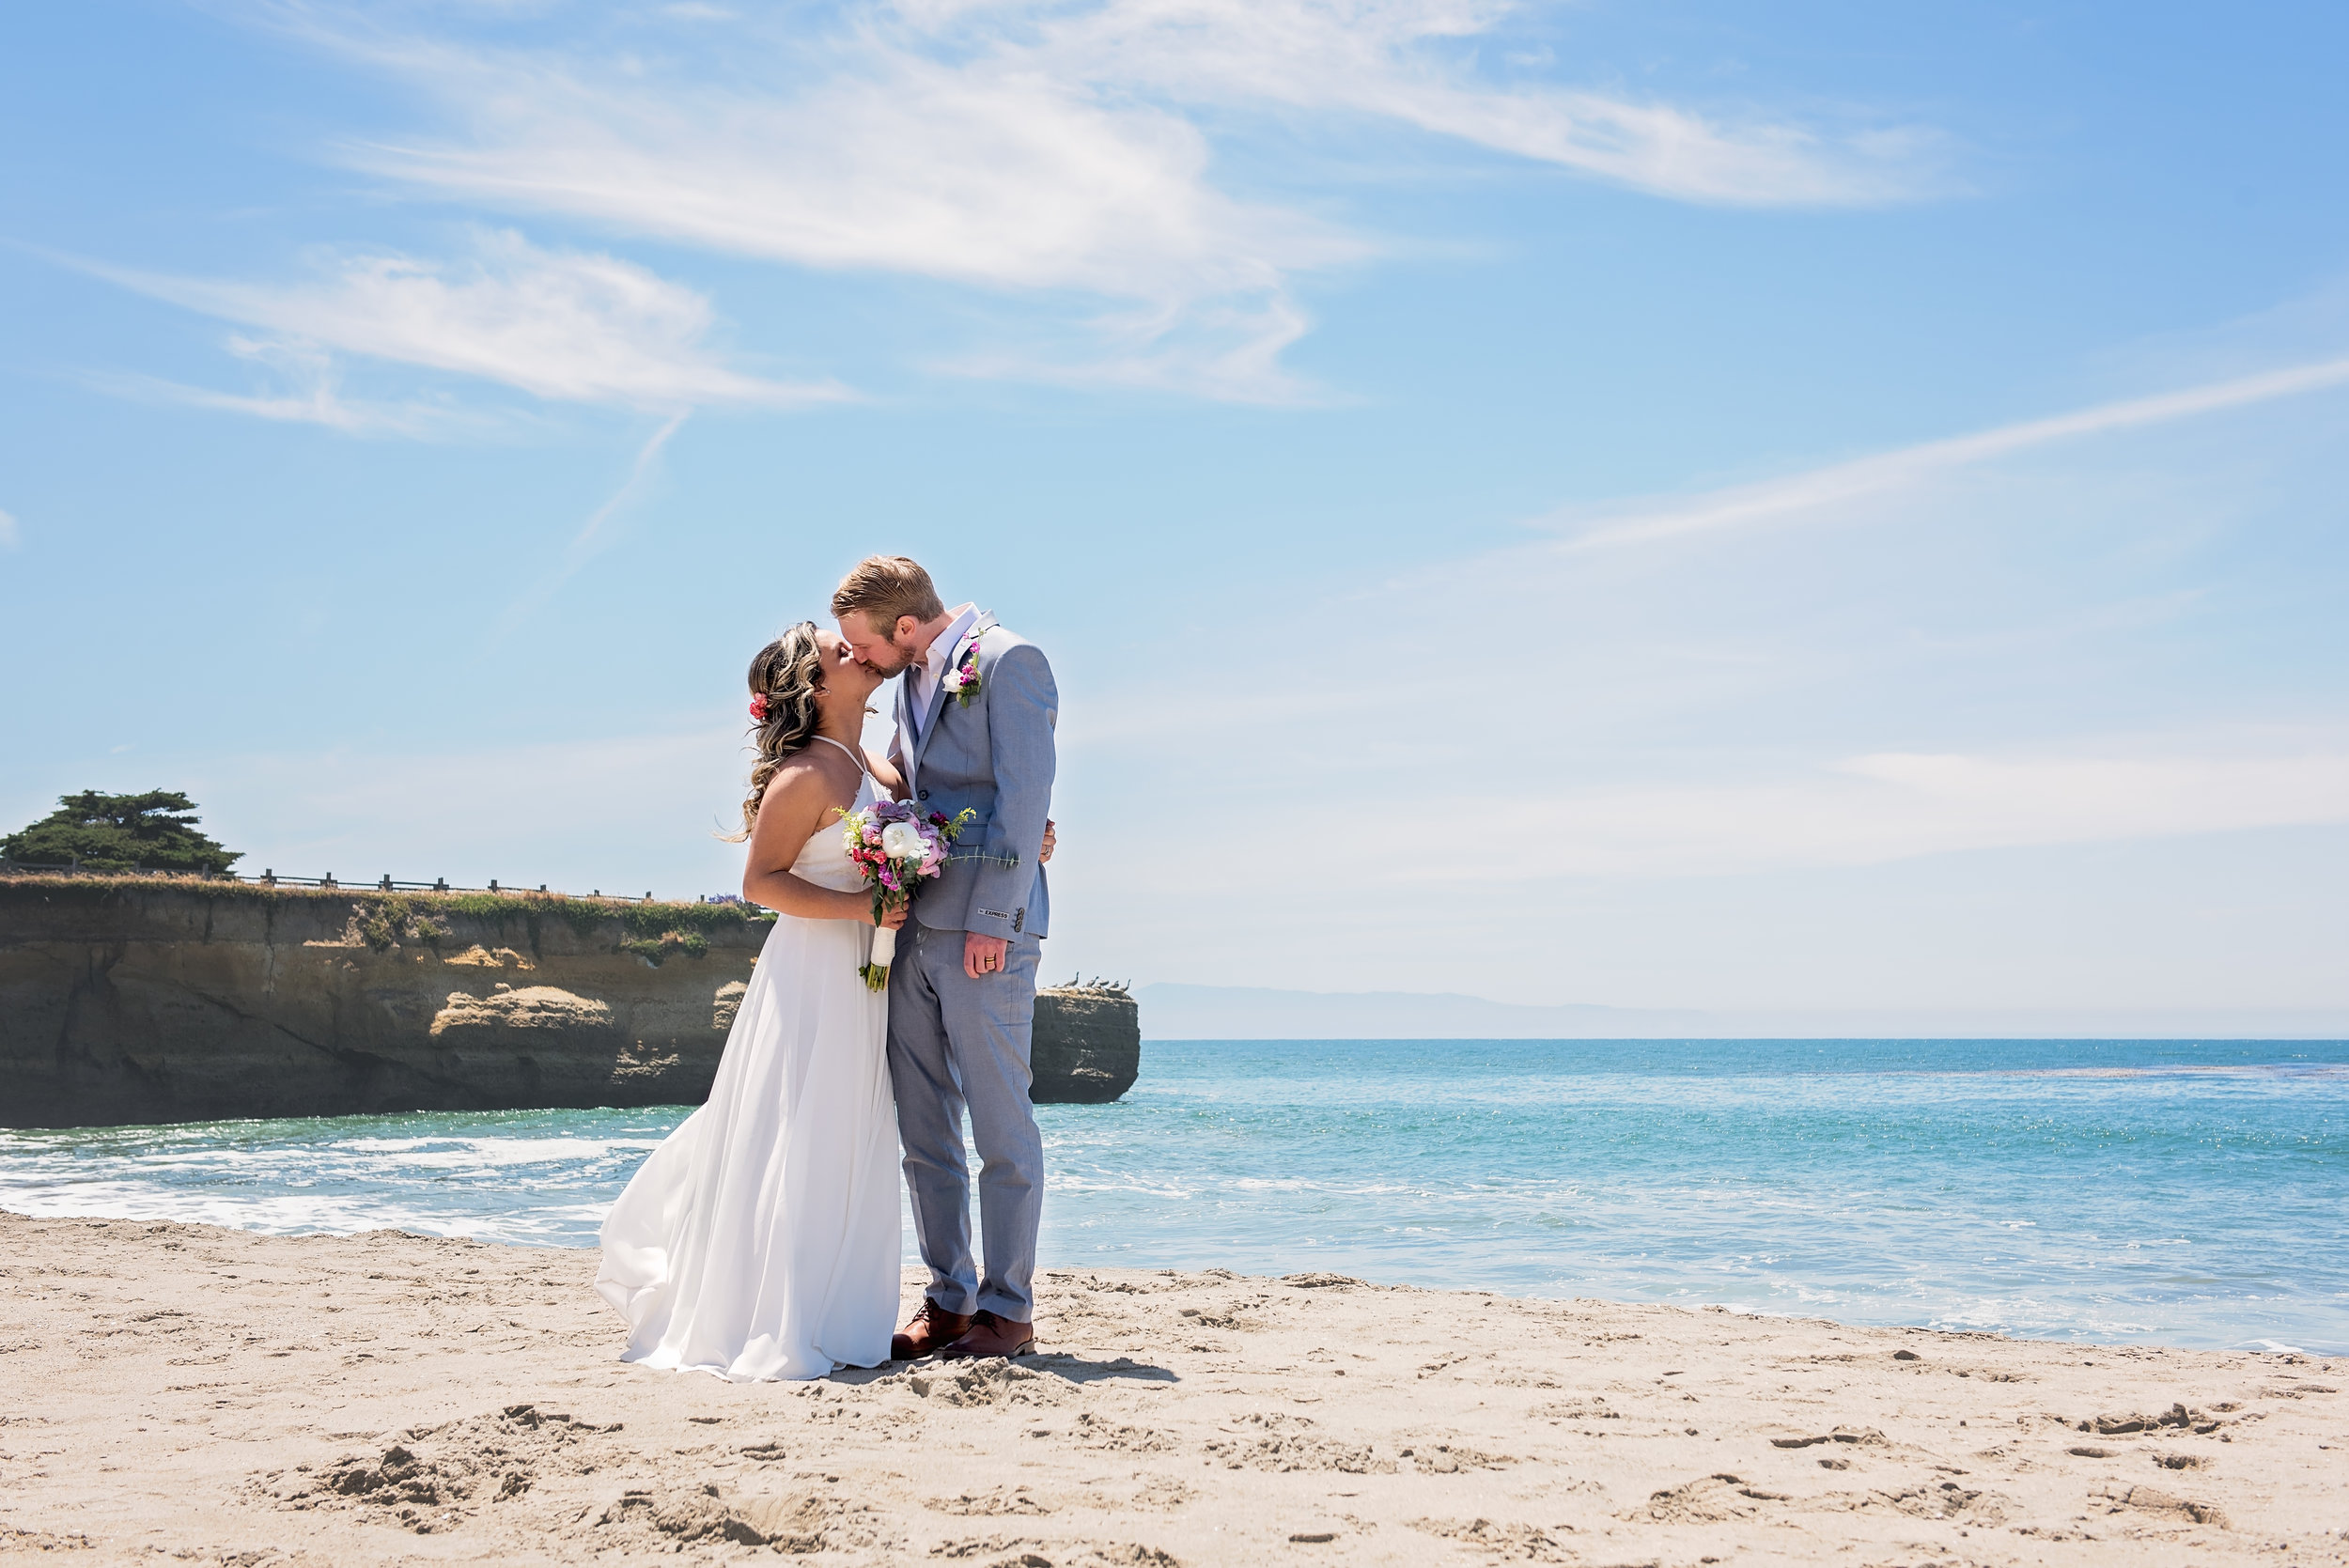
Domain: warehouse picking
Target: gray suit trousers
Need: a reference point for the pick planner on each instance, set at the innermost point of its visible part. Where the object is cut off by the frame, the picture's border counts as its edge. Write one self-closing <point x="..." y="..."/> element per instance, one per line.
<point x="958" y="1042"/>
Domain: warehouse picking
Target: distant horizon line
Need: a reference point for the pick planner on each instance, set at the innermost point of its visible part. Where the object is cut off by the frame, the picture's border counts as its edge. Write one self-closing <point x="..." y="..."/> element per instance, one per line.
<point x="1182" y="1010"/>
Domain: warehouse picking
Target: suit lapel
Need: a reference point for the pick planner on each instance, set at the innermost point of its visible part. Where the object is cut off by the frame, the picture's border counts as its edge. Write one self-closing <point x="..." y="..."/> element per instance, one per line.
<point x="929" y="727"/>
<point x="936" y="714"/>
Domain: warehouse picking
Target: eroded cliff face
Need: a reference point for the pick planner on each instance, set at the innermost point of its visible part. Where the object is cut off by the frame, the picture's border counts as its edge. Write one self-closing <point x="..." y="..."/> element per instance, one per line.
<point x="128" y="1002"/>
<point x="184" y="1003"/>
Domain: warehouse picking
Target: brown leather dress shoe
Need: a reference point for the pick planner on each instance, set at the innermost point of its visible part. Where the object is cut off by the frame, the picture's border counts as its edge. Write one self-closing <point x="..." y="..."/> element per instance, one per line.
<point x="990" y="1335"/>
<point x="931" y="1328"/>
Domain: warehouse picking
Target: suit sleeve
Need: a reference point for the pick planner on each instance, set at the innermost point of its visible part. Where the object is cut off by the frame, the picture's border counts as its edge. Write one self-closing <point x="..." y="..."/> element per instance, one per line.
<point x="897" y="753"/>
<point x="1022" y="707"/>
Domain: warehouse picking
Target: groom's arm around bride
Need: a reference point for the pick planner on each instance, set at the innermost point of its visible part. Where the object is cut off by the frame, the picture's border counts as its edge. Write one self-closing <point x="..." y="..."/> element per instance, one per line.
<point x="975" y="715"/>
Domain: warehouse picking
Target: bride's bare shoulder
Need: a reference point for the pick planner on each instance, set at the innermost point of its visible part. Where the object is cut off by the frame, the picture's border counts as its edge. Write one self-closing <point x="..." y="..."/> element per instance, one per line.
<point x="809" y="781"/>
<point x="792" y="775"/>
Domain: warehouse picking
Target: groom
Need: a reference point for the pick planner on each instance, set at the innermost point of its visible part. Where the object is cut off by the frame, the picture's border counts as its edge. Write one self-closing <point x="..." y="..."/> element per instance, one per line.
<point x="974" y="731"/>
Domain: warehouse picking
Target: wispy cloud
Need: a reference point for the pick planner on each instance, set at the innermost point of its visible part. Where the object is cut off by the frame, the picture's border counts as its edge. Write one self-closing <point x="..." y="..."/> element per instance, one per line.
<point x="316" y="403"/>
<point x="1230" y="351"/>
<point x="1033" y="147"/>
<point x="1777" y="499"/>
<point x="1778" y="814"/>
<point x="563" y="326"/>
<point x="1399" y="60"/>
<point x="2060" y="667"/>
<point x="9" y="535"/>
<point x="308" y="392"/>
<point x="1889" y="806"/>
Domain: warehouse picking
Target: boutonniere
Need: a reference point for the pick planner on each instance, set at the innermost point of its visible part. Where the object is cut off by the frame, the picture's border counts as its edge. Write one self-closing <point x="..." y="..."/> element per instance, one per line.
<point x="963" y="679"/>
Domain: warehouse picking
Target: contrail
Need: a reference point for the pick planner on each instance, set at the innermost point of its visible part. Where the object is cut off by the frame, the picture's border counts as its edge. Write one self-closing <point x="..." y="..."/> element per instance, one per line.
<point x="1747" y="503"/>
<point x="594" y="536"/>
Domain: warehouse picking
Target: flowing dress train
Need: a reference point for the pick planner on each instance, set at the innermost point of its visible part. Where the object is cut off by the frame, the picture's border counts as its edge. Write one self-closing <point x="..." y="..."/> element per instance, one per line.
<point x="760" y="1240"/>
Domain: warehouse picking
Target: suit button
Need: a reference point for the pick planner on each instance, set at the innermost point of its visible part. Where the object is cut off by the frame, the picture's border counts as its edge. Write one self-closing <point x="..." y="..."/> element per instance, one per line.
<point x="921" y="794"/>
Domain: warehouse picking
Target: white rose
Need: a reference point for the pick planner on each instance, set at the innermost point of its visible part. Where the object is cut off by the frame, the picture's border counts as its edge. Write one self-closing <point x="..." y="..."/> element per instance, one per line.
<point x="902" y="841"/>
<point x="956" y="679"/>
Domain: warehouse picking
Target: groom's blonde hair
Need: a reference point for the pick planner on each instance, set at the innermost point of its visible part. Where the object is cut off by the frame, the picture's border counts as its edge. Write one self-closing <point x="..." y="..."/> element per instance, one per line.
<point x="885" y="588"/>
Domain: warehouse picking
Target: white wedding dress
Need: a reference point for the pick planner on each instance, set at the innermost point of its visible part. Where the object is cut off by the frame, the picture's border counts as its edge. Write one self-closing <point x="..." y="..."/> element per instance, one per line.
<point x="760" y="1240"/>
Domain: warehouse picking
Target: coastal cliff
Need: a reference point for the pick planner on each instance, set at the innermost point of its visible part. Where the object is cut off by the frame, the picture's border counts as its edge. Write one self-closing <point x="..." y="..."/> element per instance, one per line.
<point x="140" y="1001"/>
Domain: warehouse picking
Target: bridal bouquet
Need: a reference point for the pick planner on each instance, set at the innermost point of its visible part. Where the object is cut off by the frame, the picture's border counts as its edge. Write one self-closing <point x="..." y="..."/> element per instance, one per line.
<point x="897" y="848"/>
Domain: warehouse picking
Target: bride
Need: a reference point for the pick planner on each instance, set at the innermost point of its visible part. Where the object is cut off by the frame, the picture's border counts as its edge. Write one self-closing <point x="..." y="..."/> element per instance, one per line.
<point x="760" y="1240"/>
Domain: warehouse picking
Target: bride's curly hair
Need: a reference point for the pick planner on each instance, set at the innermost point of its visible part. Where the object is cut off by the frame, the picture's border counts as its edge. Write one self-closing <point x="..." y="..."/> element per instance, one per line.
<point x="785" y="679"/>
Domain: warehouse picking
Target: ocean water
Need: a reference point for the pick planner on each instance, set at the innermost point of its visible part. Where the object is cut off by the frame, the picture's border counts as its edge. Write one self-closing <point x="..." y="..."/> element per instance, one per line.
<point x="2110" y="1191"/>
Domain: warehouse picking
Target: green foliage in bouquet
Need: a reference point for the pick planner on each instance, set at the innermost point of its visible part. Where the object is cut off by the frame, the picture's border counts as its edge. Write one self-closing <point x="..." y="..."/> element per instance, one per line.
<point x="153" y="831"/>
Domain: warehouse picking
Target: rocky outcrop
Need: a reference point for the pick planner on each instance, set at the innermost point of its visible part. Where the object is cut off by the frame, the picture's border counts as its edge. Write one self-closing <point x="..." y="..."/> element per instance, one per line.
<point x="136" y="1001"/>
<point x="1087" y="1047"/>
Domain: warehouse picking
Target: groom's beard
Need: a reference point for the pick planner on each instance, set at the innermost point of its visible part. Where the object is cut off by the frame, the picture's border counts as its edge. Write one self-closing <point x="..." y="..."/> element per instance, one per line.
<point x="903" y="662"/>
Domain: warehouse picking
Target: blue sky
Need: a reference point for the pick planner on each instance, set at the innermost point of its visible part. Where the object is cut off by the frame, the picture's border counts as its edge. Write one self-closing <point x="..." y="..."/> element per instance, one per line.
<point x="1810" y="506"/>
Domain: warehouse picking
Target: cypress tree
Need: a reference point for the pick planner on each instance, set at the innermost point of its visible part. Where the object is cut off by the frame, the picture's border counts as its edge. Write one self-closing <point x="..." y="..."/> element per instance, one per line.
<point x="153" y="831"/>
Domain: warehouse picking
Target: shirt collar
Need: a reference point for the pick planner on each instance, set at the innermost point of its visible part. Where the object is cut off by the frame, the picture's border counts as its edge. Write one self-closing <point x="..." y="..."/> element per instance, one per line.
<point x="942" y="651"/>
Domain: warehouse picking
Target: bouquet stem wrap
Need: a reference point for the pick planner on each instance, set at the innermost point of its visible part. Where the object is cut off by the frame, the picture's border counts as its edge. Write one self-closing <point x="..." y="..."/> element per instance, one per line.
<point x="876" y="971"/>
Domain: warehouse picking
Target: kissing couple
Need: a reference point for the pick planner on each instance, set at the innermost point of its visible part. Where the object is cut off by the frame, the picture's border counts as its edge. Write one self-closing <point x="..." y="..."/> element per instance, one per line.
<point x="760" y="1240"/>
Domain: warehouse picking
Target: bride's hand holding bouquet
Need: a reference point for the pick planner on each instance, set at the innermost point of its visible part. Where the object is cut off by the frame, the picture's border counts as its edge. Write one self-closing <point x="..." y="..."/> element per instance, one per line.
<point x="897" y="847"/>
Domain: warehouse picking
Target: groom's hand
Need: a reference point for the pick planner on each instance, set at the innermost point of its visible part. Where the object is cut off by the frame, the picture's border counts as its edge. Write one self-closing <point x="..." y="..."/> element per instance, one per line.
<point x="983" y="955"/>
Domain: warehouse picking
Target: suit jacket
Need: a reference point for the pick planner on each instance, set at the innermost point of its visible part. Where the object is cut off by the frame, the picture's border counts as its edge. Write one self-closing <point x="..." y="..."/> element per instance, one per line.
<point x="994" y="756"/>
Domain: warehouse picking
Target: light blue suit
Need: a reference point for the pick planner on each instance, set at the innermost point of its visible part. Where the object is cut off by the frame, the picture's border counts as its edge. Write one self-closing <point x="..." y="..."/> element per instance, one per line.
<point x="956" y="1042"/>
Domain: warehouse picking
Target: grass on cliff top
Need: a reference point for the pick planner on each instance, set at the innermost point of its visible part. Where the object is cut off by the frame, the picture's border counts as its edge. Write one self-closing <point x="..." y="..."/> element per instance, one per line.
<point x="405" y="911"/>
<point x="585" y="914"/>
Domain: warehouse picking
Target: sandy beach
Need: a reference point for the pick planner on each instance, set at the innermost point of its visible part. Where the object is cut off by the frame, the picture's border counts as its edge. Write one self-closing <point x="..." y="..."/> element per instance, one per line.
<point x="223" y="1397"/>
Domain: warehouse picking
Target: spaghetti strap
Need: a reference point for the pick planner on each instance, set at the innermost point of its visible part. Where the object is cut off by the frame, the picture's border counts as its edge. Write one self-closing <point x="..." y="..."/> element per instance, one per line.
<point x="854" y="755"/>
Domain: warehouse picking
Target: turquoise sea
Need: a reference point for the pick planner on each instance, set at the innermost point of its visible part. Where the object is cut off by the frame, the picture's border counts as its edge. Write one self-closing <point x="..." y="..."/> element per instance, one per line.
<point x="2190" y="1194"/>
